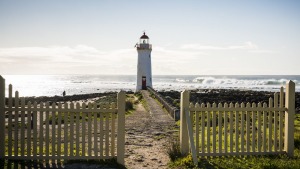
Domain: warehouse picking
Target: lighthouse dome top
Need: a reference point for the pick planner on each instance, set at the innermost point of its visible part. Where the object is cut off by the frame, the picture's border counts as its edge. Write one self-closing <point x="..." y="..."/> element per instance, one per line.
<point x="144" y="36"/>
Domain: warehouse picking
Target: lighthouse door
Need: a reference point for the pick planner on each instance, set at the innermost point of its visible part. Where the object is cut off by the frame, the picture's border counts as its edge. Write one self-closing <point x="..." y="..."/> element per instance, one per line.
<point x="144" y="87"/>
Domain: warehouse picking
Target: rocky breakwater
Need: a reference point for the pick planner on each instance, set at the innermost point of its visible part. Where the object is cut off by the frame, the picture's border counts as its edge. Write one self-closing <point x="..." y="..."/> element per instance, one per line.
<point x="224" y="96"/>
<point x="100" y="97"/>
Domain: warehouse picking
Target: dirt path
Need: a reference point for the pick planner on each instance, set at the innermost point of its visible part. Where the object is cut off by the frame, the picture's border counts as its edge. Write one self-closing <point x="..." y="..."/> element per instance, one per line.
<point x="147" y="136"/>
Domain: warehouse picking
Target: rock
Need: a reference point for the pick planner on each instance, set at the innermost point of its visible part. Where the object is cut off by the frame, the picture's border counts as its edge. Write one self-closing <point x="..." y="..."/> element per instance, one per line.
<point x="158" y="133"/>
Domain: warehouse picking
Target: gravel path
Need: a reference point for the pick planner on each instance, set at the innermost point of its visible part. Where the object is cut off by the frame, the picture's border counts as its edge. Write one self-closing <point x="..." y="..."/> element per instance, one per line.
<point x="147" y="136"/>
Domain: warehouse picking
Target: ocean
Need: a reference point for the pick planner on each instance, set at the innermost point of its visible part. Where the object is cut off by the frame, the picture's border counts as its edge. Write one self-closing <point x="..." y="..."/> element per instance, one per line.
<point x="50" y="85"/>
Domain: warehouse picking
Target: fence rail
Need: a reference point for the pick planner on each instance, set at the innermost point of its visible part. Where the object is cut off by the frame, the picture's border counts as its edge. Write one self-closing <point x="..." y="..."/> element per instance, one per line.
<point x="44" y="131"/>
<point x="238" y="129"/>
<point x="173" y="111"/>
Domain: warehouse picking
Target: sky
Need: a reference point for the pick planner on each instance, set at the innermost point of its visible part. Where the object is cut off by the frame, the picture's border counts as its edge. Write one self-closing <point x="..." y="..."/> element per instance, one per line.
<point x="215" y="37"/>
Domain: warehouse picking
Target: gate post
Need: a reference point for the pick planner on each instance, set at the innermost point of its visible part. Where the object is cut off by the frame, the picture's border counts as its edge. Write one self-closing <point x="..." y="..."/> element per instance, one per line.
<point x="121" y="128"/>
<point x="2" y="117"/>
<point x="184" y="105"/>
<point x="289" y="118"/>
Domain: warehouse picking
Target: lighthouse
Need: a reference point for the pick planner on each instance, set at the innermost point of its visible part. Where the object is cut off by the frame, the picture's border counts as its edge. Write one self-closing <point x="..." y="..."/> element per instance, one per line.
<point x="144" y="74"/>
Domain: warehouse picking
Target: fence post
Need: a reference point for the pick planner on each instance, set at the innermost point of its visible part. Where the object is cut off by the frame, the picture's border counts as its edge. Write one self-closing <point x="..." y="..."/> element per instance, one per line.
<point x="184" y="105"/>
<point x="2" y="117"/>
<point x="289" y="118"/>
<point x="121" y="128"/>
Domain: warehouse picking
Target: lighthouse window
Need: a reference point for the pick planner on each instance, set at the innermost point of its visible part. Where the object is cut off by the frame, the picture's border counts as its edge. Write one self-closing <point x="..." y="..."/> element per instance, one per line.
<point x="149" y="56"/>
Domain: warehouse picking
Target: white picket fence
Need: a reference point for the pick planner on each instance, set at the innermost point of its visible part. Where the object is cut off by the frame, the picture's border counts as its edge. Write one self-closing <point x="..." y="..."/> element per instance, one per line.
<point x="238" y="129"/>
<point x="40" y="131"/>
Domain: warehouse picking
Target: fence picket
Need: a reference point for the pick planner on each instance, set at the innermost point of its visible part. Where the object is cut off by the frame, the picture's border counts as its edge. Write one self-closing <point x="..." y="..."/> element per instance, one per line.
<point x="28" y="130"/>
<point x="66" y="121"/>
<point x="202" y="129"/>
<point x="265" y="128"/>
<point x="47" y="131"/>
<point x="214" y="128"/>
<point x="59" y="130"/>
<point x="41" y="131"/>
<point x="281" y="120"/>
<point x="10" y="123"/>
<point x="83" y="128"/>
<point x="101" y="130"/>
<point x="77" y="130"/>
<point x="231" y="128"/>
<point x="242" y="128"/>
<point x="2" y="119"/>
<point x="71" y="130"/>
<point x="35" y="132"/>
<point x="53" y="122"/>
<point x="113" y="116"/>
<point x="16" y="125"/>
<point x="225" y="129"/>
<point x="248" y="128"/>
<point x="236" y="129"/>
<point x="107" y="117"/>
<point x="191" y="114"/>
<point x="253" y="127"/>
<point x="275" y="122"/>
<point x="220" y="128"/>
<point x="197" y="129"/>
<point x="270" y="119"/>
<point x="90" y="129"/>
<point x="259" y="129"/>
<point x="22" y="141"/>
<point x="208" y="129"/>
<point x="96" y="131"/>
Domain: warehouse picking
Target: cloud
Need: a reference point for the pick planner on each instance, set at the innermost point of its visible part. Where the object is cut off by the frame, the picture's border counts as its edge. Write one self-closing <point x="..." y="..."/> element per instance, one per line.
<point x="79" y="59"/>
<point x="245" y="46"/>
<point x="263" y="51"/>
<point x="52" y="53"/>
<point x="83" y="59"/>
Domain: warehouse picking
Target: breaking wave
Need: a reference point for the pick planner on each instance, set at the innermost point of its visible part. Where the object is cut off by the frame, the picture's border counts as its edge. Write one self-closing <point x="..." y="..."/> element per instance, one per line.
<point x="233" y="81"/>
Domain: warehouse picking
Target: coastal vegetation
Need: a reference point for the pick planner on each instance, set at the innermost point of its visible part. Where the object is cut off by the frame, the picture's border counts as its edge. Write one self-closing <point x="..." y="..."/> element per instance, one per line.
<point x="268" y="161"/>
<point x="223" y="96"/>
<point x="173" y="149"/>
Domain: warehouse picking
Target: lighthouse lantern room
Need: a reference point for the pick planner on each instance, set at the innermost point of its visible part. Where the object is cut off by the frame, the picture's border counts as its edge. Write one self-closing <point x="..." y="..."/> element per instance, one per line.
<point x="144" y="74"/>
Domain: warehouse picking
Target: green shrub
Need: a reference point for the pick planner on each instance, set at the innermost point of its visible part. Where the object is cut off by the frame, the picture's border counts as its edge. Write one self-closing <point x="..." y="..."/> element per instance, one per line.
<point x="128" y="105"/>
<point x="173" y="150"/>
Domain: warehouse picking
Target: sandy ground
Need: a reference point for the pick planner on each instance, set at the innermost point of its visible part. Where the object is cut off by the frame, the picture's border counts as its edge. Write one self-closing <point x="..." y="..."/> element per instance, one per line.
<point x="147" y="136"/>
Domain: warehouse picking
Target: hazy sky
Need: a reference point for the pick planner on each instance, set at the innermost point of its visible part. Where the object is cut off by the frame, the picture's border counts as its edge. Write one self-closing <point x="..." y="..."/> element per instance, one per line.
<point x="188" y="37"/>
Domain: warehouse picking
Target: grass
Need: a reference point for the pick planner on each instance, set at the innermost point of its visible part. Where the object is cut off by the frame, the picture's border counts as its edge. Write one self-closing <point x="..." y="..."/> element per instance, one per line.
<point x="130" y="103"/>
<point x="265" y="162"/>
<point x="173" y="149"/>
<point x="107" y="163"/>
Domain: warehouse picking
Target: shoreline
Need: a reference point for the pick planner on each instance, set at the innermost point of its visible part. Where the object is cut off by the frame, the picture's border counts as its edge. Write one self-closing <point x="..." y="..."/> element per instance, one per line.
<point x="224" y="96"/>
<point x="70" y="98"/>
<point x="173" y="97"/>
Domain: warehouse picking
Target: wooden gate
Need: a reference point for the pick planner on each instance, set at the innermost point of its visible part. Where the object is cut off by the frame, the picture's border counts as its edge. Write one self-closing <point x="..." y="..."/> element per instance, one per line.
<point x="44" y="131"/>
<point x="238" y="129"/>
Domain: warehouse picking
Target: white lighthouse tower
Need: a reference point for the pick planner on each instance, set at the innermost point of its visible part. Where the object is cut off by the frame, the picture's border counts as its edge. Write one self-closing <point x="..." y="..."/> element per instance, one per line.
<point x="144" y="74"/>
